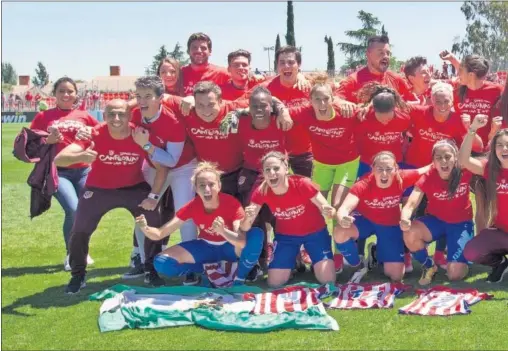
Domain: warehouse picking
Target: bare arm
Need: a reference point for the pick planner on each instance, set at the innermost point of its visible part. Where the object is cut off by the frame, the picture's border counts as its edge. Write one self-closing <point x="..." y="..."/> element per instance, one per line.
<point x="235" y="237"/>
<point x="159" y="233"/>
<point x="75" y="153"/>
<point x="349" y="204"/>
<point x="412" y="203"/>
<point x="465" y="159"/>
<point x="251" y="212"/>
<point x="326" y="209"/>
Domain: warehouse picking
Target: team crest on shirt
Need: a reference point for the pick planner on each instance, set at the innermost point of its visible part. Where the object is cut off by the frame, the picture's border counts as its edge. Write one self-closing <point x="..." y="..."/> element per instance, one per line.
<point x="87" y="194"/>
<point x="430" y="130"/>
<point x="251" y="141"/>
<point x="277" y="209"/>
<point x="111" y="152"/>
<point x="201" y="226"/>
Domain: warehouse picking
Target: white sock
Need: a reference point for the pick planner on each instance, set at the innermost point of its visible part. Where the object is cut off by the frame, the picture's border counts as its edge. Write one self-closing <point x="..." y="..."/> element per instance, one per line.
<point x="164" y="247"/>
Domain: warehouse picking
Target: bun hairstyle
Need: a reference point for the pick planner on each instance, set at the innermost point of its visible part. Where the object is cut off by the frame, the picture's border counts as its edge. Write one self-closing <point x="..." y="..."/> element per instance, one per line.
<point x="205" y="166"/>
<point x="456" y="173"/>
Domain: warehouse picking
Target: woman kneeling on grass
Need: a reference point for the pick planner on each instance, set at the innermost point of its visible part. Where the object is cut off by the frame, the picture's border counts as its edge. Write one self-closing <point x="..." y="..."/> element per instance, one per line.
<point x="490" y="247"/>
<point x="377" y="198"/>
<point x="449" y="210"/>
<point x="299" y="209"/>
<point x="217" y="216"/>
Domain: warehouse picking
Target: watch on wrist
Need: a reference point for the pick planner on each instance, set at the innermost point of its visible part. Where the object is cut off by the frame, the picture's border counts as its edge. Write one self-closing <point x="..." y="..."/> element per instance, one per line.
<point x="153" y="196"/>
<point x="147" y="146"/>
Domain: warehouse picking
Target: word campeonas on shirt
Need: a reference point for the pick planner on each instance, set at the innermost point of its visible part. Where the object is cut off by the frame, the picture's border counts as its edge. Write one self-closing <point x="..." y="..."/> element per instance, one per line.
<point x="264" y="144"/>
<point x="205" y="133"/>
<point x="331" y="132"/>
<point x="125" y="158"/>
<point x="386" y="137"/>
<point x="290" y="213"/>
<point x="429" y="134"/>
<point x="475" y="105"/>
<point x="295" y="102"/>
<point x="386" y="202"/>
<point x="462" y="189"/>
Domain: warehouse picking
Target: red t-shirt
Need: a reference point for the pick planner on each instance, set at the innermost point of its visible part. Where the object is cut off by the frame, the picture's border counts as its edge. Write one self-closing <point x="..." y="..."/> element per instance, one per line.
<point x="479" y="101"/>
<point x="296" y="214"/>
<point x="229" y="209"/>
<point x="373" y="136"/>
<point x="458" y="209"/>
<point x="349" y="87"/>
<point x="382" y="206"/>
<point x="501" y="220"/>
<point x="230" y="92"/>
<point x="68" y="123"/>
<point x="213" y="73"/>
<point x="118" y="163"/>
<point x="298" y="141"/>
<point x="426" y="131"/>
<point x="257" y="142"/>
<point x="28" y="97"/>
<point x="167" y="128"/>
<point x="210" y="144"/>
<point x="333" y="141"/>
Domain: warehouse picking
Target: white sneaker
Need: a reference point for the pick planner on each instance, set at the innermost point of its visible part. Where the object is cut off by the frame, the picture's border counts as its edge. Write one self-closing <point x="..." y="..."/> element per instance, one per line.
<point x="89" y="260"/>
<point x="67" y="266"/>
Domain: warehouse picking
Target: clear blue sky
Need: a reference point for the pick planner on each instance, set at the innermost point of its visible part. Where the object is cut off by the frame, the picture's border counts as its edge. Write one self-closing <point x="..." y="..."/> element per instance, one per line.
<point x="82" y="40"/>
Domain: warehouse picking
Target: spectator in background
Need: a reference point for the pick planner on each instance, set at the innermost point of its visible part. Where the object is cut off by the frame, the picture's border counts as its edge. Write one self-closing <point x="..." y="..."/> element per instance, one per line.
<point x="28" y="99"/>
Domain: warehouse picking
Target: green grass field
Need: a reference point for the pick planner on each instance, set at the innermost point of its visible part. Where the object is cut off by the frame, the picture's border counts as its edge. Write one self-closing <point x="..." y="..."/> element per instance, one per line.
<point x="36" y="314"/>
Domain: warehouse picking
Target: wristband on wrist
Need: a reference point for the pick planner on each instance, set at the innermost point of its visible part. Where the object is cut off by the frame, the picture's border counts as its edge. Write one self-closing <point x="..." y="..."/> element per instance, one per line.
<point x="153" y="196"/>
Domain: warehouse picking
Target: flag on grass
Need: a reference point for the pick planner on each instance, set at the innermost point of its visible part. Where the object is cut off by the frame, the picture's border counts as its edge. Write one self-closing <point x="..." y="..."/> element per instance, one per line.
<point x="443" y="301"/>
<point x="364" y="296"/>
<point x="232" y="309"/>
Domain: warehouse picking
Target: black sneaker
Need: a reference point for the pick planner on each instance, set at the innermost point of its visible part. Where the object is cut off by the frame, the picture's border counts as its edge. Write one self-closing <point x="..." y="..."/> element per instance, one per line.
<point x="254" y="273"/>
<point x="191" y="279"/>
<point x="498" y="272"/>
<point x="135" y="260"/>
<point x="134" y="272"/>
<point x="76" y="283"/>
<point x="153" y="279"/>
<point x="300" y="267"/>
<point x="372" y="258"/>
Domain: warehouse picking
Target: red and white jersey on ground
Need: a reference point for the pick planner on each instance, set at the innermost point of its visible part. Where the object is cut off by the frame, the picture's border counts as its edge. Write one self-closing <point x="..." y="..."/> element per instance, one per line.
<point x="221" y="274"/>
<point x="364" y="296"/>
<point x="290" y="299"/>
<point x="442" y="301"/>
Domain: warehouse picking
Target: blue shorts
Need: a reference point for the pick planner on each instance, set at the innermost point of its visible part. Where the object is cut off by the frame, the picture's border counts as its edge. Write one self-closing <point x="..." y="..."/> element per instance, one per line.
<point x="204" y="252"/>
<point x="365" y="168"/>
<point x="457" y="235"/>
<point x="390" y="243"/>
<point x="286" y="248"/>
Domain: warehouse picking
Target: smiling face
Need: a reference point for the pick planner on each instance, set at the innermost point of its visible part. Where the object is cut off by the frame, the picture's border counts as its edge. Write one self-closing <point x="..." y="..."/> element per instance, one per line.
<point x="116" y="116"/>
<point x="421" y="79"/>
<point x="168" y="74"/>
<point x="378" y="56"/>
<point x="384" y="171"/>
<point x="260" y="108"/>
<point x="239" y="68"/>
<point x="207" y="106"/>
<point x="199" y="52"/>
<point x="148" y="102"/>
<point x="275" y="172"/>
<point x="444" y="159"/>
<point x="65" y="95"/>
<point x="442" y="102"/>
<point x="501" y="145"/>
<point x="288" y="68"/>
<point x="321" y="101"/>
<point x="208" y="186"/>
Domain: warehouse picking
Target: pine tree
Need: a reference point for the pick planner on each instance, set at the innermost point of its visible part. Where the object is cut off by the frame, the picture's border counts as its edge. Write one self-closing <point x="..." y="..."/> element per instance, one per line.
<point x="290" y="34"/>
<point x="9" y="75"/>
<point x="41" y="78"/>
<point x="330" y="66"/>
<point x="162" y="54"/>
<point x="179" y="55"/>
<point x="277" y="47"/>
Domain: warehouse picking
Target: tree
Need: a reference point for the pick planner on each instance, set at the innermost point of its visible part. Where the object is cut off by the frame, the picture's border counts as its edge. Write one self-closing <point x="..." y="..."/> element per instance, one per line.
<point x="486" y="32"/>
<point x="330" y="66"/>
<point x="355" y="53"/>
<point x="290" y="34"/>
<point x="8" y="74"/>
<point x="41" y="78"/>
<point x="277" y="47"/>
<point x="179" y="55"/>
<point x="395" y="64"/>
<point x="162" y="54"/>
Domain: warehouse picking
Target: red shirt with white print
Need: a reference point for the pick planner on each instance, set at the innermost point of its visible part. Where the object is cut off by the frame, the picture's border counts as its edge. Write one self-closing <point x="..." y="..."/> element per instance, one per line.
<point x="257" y="142"/>
<point x="501" y="220"/>
<point x="296" y="214"/>
<point x="68" y="123"/>
<point x="480" y="101"/>
<point x="333" y="141"/>
<point x="118" y="163"/>
<point x="426" y="131"/>
<point x="229" y="209"/>
<point x="298" y="141"/>
<point x="166" y="128"/>
<point x="373" y="136"/>
<point x="230" y="92"/>
<point x="349" y="87"/>
<point x="210" y="144"/>
<point x="382" y="206"/>
<point x="456" y="209"/>
<point x="213" y="73"/>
